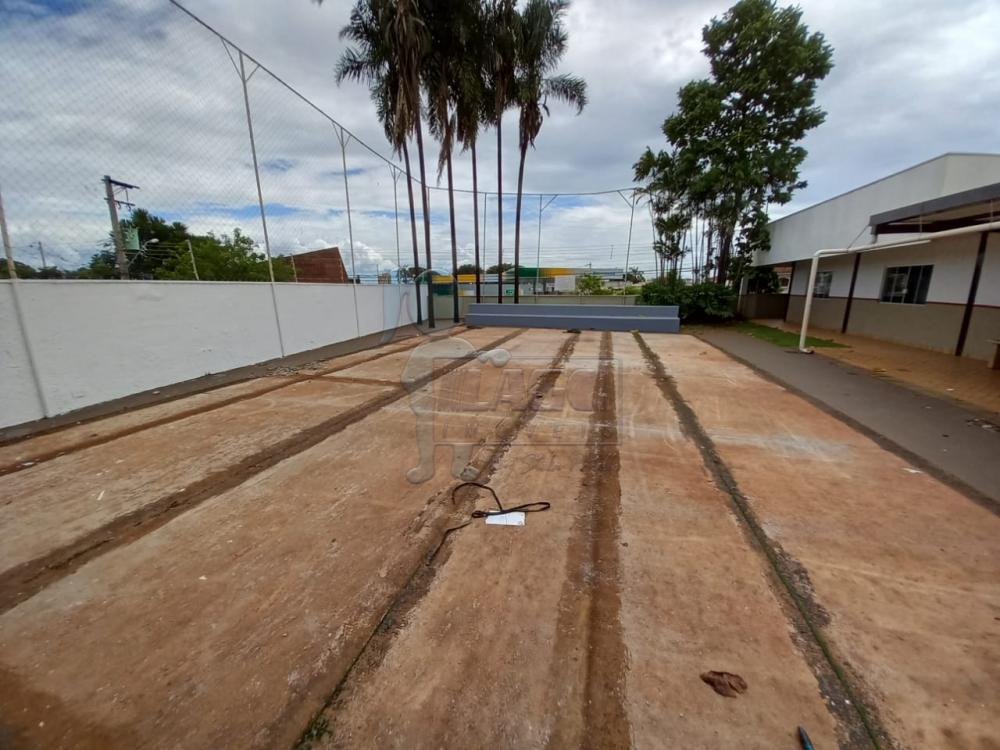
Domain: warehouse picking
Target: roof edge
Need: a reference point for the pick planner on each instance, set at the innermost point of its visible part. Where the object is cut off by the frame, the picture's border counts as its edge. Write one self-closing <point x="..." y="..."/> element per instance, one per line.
<point x="882" y="179"/>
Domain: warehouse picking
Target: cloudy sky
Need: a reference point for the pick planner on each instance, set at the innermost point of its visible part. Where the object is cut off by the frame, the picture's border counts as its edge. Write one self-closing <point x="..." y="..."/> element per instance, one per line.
<point x="139" y="90"/>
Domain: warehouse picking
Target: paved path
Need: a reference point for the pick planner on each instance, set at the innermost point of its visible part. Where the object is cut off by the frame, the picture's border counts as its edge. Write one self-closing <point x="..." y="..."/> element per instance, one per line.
<point x="945" y="438"/>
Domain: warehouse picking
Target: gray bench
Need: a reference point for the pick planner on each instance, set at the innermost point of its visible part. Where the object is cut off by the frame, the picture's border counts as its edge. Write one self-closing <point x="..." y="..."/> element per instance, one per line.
<point x="644" y="318"/>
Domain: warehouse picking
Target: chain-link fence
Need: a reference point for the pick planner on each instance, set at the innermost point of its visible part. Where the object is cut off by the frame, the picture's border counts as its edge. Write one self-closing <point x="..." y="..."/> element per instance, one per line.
<point x="140" y="101"/>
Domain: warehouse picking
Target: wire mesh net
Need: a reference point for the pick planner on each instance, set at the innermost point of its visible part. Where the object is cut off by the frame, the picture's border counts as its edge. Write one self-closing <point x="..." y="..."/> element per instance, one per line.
<point x="146" y="94"/>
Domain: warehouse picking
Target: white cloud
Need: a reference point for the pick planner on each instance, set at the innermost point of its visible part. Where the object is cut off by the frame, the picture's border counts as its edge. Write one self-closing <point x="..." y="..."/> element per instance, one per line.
<point x="136" y="89"/>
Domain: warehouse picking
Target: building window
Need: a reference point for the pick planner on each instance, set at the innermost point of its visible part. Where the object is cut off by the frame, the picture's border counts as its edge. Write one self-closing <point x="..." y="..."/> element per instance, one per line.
<point x="906" y="285"/>
<point x="823" y="281"/>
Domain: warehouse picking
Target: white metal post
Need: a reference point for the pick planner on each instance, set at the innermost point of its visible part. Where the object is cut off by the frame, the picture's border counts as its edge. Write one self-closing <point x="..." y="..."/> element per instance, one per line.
<point x="260" y="199"/>
<point x="538" y="247"/>
<point x="194" y="266"/>
<point x="628" y="245"/>
<point x="344" y="137"/>
<point x="22" y="324"/>
<point x="395" y="208"/>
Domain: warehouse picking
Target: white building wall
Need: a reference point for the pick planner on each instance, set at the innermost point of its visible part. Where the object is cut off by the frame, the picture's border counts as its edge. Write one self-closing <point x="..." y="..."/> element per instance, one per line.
<point x="95" y="341"/>
<point x="953" y="260"/>
<point x="989" y="279"/>
<point x="843" y="220"/>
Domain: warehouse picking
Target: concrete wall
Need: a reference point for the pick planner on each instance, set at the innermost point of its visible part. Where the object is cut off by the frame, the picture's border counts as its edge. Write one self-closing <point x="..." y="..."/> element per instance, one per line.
<point x="99" y="340"/>
<point x="763" y="305"/>
<point x="443" y="305"/>
<point x="839" y="221"/>
<point x="934" y="325"/>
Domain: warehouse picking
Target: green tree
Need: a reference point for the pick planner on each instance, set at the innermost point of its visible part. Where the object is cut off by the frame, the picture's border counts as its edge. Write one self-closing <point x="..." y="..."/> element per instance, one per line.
<point x="226" y="258"/>
<point x="635" y="276"/>
<point x="500" y="31"/>
<point x="469" y="268"/>
<point x="441" y="73"/>
<point x="23" y="270"/>
<point x="500" y="268"/>
<point x="591" y="283"/>
<point x="540" y="43"/>
<point x="735" y="135"/>
<point x="375" y="59"/>
<point x="391" y="44"/>
<point x="472" y="101"/>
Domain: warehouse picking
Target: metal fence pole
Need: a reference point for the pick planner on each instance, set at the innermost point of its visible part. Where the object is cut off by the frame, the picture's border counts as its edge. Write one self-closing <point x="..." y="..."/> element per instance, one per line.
<point x="628" y="246"/>
<point x="15" y="289"/>
<point x="538" y="249"/>
<point x="486" y="200"/>
<point x="344" y="138"/>
<point x="260" y="197"/>
<point x="194" y="266"/>
<point x="395" y="208"/>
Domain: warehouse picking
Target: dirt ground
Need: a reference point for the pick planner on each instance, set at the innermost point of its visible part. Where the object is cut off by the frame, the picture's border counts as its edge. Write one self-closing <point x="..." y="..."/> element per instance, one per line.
<point x="291" y="561"/>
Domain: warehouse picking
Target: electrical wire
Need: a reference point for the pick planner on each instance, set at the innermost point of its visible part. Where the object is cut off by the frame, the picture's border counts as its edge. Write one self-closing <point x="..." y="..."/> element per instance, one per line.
<point x="534" y="507"/>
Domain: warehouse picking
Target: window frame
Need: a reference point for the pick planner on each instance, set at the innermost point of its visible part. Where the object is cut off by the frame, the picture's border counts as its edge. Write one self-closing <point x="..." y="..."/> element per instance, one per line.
<point x="827" y="277"/>
<point x="910" y="284"/>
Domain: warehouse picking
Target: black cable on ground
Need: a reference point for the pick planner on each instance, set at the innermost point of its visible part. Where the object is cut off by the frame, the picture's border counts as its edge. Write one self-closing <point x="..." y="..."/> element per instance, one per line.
<point x="535" y="507"/>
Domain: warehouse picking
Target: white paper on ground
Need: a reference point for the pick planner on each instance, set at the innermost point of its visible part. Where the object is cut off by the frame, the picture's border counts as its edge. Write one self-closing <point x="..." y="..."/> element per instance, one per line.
<point x="507" y="519"/>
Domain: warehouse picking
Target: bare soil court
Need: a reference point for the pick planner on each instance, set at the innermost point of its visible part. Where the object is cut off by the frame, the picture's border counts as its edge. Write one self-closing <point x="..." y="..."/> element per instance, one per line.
<point x="283" y="560"/>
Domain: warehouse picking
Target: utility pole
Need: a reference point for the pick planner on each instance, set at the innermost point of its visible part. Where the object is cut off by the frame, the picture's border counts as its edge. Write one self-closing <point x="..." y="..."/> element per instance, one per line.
<point x="41" y="251"/>
<point x="121" y="262"/>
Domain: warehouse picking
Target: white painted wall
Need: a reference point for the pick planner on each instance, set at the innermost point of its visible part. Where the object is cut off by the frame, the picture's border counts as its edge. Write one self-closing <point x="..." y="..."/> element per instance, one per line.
<point x="953" y="260"/>
<point x="99" y="340"/>
<point x="989" y="279"/>
<point x="843" y="220"/>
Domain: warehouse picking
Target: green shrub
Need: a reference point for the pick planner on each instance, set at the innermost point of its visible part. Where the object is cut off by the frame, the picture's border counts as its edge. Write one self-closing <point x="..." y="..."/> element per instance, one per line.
<point x="705" y="302"/>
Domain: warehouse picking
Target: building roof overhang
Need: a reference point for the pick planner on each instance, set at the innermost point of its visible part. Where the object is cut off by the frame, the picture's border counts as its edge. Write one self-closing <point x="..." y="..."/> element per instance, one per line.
<point x="979" y="205"/>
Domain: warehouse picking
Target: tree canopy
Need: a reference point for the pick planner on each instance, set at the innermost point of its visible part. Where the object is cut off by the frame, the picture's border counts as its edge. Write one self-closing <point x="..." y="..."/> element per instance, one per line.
<point x="734" y="141"/>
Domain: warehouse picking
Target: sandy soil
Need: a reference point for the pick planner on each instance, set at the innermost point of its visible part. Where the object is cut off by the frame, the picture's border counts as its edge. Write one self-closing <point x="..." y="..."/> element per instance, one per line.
<point x="259" y="566"/>
<point x="905" y="569"/>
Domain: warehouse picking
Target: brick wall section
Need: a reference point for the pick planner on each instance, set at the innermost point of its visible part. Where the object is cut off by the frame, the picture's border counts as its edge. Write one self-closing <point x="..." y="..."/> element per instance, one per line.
<point x="322" y="266"/>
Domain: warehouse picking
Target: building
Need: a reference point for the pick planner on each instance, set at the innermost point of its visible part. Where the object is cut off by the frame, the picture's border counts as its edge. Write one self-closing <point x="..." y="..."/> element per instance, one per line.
<point x="323" y="266"/>
<point x="940" y="293"/>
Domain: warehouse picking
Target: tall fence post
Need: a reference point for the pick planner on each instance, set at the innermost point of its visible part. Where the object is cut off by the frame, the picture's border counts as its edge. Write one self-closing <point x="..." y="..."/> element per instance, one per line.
<point x="22" y="324"/>
<point x="395" y="208"/>
<point x="628" y="245"/>
<point x="344" y="138"/>
<point x="538" y="248"/>
<point x="244" y="78"/>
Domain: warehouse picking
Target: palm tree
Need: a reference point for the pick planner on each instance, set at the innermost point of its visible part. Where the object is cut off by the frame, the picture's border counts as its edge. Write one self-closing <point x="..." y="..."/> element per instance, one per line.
<point x="390" y="43"/>
<point x="440" y="74"/>
<point x="471" y="103"/>
<point x="501" y="30"/>
<point x="540" y="44"/>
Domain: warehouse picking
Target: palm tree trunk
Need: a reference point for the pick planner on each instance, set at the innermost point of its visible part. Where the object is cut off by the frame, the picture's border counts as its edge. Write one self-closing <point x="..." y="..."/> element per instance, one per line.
<point x="427" y="222"/>
<point x="517" y="226"/>
<point x="454" y="244"/>
<point x="500" y="208"/>
<point x="475" y="218"/>
<point x="413" y="230"/>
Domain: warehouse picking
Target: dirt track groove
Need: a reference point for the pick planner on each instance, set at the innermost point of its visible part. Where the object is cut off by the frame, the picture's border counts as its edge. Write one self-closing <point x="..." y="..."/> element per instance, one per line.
<point x="590" y="605"/>
<point x="24" y="453"/>
<point x="860" y="721"/>
<point x="24" y="580"/>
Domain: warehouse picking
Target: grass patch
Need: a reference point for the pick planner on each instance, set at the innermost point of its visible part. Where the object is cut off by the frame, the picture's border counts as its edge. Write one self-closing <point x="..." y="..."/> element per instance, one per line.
<point x="781" y="338"/>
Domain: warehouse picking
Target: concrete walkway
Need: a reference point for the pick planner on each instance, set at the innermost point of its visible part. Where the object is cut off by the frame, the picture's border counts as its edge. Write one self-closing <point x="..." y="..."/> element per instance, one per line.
<point x="959" y="378"/>
<point x="937" y="435"/>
